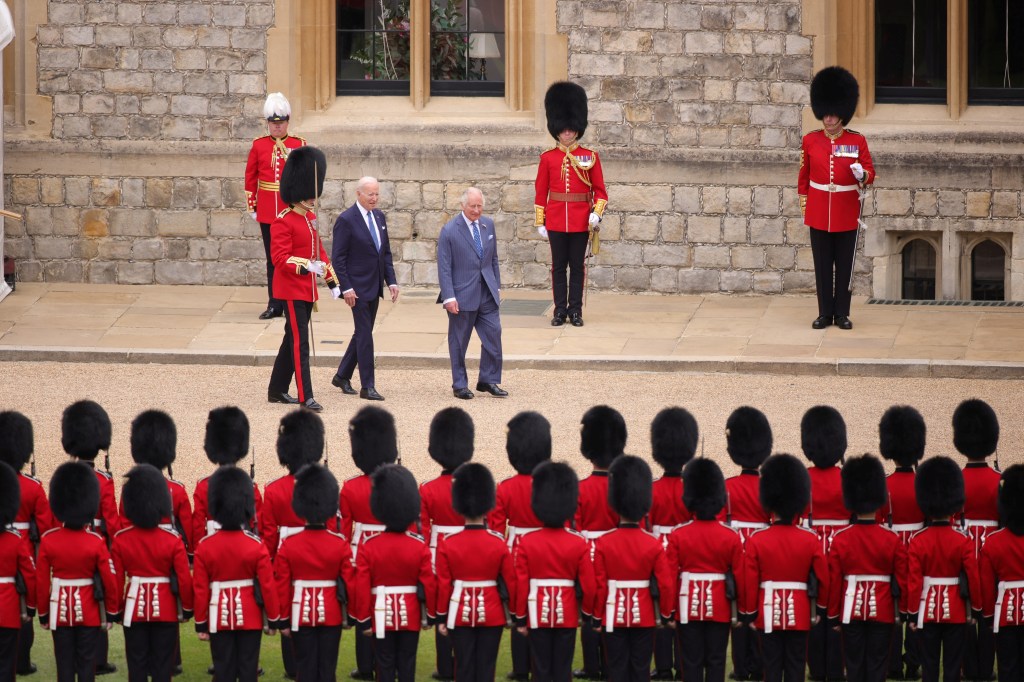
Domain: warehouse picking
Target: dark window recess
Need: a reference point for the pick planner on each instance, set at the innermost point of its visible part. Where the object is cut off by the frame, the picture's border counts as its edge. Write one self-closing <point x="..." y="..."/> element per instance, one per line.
<point x="995" y="63"/>
<point x="988" y="272"/>
<point x="373" y="47"/>
<point x="919" y="271"/>
<point x="910" y="51"/>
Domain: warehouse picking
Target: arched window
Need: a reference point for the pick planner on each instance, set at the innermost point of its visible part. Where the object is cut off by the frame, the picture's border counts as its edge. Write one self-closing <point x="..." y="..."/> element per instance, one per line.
<point x="988" y="272"/>
<point x="918" y="271"/>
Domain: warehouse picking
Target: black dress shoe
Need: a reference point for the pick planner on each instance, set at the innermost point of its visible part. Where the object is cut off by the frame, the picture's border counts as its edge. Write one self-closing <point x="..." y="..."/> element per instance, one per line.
<point x="585" y="675"/>
<point x="271" y="313"/>
<point x="493" y="389"/>
<point x="107" y="668"/>
<point x="821" y="322"/>
<point x="370" y="393"/>
<point x="443" y="678"/>
<point x="576" y="319"/>
<point x="525" y="677"/>
<point x="462" y="393"/>
<point x="356" y="675"/>
<point x="30" y="670"/>
<point x="344" y="384"/>
<point x="177" y="670"/>
<point x="275" y="397"/>
<point x="843" y="322"/>
<point x="558" y="320"/>
<point x="313" y="405"/>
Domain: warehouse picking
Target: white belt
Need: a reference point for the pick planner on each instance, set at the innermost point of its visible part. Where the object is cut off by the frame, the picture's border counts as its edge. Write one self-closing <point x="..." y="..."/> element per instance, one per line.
<point x="595" y="534"/>
<point x="212" y="527"/>
<point x="769" y="587"/>
<point x="610" y="610"/>
<point x="685" y="578"/>
<point x="662" y="530"/>
<point x="980" y="523"/>
<point x="97" y="523"/>
<point x="7" y="580"/>
<point x="929" y="583"/>
<point x="516" y="531"/>
<point x="535" y="585"/>
<point x="852" y="581"/>
<point x="830" y="523"/>
<point x="299" y="588"/>
<point x="21" y="525"/>
<point x="834" y="187"/>
<point x="360" y="529"/>
<point x="907" y="527"/>
<point x="456" y="600"/>
<point x="435" y="532"/>
<point x="753" y="525"/>
<point x="56" y="585"/>
<point x="133" y="596"/>
<point x="284" y="532"/>
<point x="1004" y="585"/>
<point x="381" y="610"/>
<point x="216" y="588"/>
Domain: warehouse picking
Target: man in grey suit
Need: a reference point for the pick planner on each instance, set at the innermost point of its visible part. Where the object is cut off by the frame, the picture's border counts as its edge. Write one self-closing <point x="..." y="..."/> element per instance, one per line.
<point x="467" y="268"/>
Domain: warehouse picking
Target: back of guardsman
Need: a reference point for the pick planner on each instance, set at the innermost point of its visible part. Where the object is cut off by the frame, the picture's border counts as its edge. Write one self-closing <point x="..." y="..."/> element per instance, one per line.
<point x="226" y="443"/>
<point x="374" y="443"/>
<point x="1002" y="576"/>
<point x="153" y="577"/>
<point x="85" y="430"/>
<point x="300" y="441"/>
<point x="17" y="575"/>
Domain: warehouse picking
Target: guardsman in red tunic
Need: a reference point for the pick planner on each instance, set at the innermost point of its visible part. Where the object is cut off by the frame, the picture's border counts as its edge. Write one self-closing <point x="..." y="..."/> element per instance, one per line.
<point x="263" y="173"/>
<point x="823" y="440"/>
<point x="450" y="444"/>
<point x="1002" y="576"/>
<point x="635" y="586"/>
<point x="153" y="577"/>
<point x="943" y="587"/>
<point x="706" y="556"/>
<point x="236" y="594"/>
<point x="901" y="439"/>
<point x="835" y="167"/>
<point x="33" y="517"/>
<point x="527" y="444"/>
<point x="395" y="589"/>
<point x="550" y="564"/>
<point x="298" y="254"/>
<point x="17" y="575"/>
<point x="314" y="571"/>
<point x="75" y="578"/>
<point x="781" y="566"/>
<point x="570" y="198"/>
<point x="867" y="574"/>
<point x="475" y="578"/>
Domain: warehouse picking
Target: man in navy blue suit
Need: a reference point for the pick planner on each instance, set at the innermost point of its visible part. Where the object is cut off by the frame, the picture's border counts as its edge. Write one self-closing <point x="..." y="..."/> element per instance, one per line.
<point x="467" y="269"/>
<point x="361" y="256"/>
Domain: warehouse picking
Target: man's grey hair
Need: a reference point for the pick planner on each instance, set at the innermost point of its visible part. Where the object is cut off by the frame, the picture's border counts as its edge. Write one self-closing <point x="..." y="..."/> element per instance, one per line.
<point x="465" y="195"/>
<point x="364" y="181"/>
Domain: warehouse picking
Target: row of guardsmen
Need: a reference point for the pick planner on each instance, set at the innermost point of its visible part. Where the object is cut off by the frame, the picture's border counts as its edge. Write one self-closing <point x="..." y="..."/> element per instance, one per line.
<point x="767" y="556"/>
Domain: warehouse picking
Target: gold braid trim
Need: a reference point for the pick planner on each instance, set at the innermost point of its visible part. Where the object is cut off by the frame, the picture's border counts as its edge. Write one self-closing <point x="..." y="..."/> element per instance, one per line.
<point x="301" y="264"/>
<point x="538" y="215"/>
<point x="803" y="204"/>
<point x="599" y="206"/>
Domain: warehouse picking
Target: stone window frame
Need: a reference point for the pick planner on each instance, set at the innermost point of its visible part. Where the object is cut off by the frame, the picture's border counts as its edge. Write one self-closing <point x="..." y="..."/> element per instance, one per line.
<point x="968" y="242"/>
<point x="900" y="240"/>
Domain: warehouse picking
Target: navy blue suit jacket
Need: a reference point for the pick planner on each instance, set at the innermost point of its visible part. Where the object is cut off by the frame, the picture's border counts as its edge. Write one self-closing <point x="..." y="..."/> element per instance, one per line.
<point x="356" y="261"/>
<point x="459" y="269"/>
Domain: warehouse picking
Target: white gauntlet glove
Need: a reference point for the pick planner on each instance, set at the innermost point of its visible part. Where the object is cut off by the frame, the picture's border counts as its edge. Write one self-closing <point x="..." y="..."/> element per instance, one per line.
<point x="542" y="231"/>
<point x="594" y="219"/>
<point x="253" y="215"/>
<point x="858" y="171"/>
<point x="336" y="292"/>
<point x="316" y="267"/>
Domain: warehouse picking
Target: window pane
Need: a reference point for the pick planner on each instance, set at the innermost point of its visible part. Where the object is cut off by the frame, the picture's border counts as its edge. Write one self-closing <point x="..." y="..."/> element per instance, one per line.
<point x="467" y="47"/>
<point x="910" y="51"/>
<point x="988" y="272"/>
<point x="996" y="43"/>
<point x="373" y="46"/>
<point x="919" y="271"/>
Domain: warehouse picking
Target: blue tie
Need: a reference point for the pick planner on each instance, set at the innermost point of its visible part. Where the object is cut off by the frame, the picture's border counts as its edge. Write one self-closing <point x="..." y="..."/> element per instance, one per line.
<point x="476" y="241"/>
<point x="373" y="230"/>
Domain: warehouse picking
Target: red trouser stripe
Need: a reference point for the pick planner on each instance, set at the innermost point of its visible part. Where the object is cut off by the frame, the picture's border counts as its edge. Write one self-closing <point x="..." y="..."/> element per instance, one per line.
<point x="296" y="352"/>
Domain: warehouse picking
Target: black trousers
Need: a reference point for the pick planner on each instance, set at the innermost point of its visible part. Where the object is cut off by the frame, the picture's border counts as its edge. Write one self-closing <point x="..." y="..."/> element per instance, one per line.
<point x="833" y="266"/>
<point x="25" y="641"/>
<point x="272" y="302"/>
<point x="628" y="653"/>
<point x="593" y="651"/>
<point x="746" y="653"/>
<point x="149" y="649"/>
<point x="476" y="653"/>
<point x="785" y="655"/>
<point x="866" y="650"/>
<point x="980" y="653"/>
<point x="824" y="652"/>
<point x="520" y="645"/>
<point x="568" y="250"/>
<point x="395" y="655"/>
<point x="903" y="651"/>
<point x="293" y="355"/>
<point x="236" y="655"/>
<point x="8" y="653"/>
<point x="364" y="654"/>
<point x="1010" y="647"/>
<point x="667" y="655"/>
<point x="945" y="640"/>
<point x="360" y="348"/>
<point x="551" y="652"/>
<point x="316" y="653"/>
<point x="702" y="646"/>
<point x="288" y="655"/>
<point x="443" y="650"/>
<point x="74" y="650"/>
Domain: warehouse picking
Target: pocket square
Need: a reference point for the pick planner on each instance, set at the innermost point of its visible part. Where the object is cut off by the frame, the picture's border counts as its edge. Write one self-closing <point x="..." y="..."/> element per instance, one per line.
<point x="490" y="236"/>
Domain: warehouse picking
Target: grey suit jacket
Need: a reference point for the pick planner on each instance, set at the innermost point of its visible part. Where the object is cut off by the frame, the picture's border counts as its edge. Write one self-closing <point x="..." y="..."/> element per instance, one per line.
<point x="459" y="270"/>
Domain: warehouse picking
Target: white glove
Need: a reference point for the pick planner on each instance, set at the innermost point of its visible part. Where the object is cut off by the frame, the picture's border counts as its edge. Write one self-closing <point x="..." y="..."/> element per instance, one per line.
<point x="542" y="231"/>
<point x="316" y="267"/>
<point x="336" y="292"/>
<point x="594" y="219"/>
<point x="858" y="171"/>
<point x="253" y="215"/>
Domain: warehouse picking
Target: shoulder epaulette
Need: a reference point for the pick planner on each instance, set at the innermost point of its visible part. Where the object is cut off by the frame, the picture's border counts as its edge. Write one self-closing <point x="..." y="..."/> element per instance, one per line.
<point x="282" y="213"/>
<point x="249" y="534"/>
<point x="172" y="531"/>
<point x="279" y="478"/>
<point x="574" y="532"/>
<point x="496" y="534"/>
<point x="51" y="531"/>
<point x="414" y="536"/>
<point x="13" y="532"/>
<point x="105" y="474"/>
<point x="851" y="130"/>
<point x="300" y="139"/>
<point x="808" y="530"/>
<point x="31" y="478"/>
<point x="340" y="536"/>
<point x="123" y="530"/>
<point x="90" y="531"/>
<point x="177" y="483"/>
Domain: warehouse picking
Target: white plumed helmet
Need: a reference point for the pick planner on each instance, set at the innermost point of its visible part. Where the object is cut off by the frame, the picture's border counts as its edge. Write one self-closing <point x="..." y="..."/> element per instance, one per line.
<point x="276" y="108"/>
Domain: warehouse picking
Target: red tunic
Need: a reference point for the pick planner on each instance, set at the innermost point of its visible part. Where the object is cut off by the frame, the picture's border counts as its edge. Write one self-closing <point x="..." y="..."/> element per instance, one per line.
<point x="385" y="562"/>
<point x="743" y="510"/>
<point x="941" y="552"/>
<point x="74" y="555"/>
<point x="512" y="510"/>
<point x="141" y="554"/>
<point x="549" y="563"/>
<point x="572" y="173"/>
<point x="202" y="524"/>
<point x="277" y="519"/>
<point x="294" y="241"/>
<point x="354" y="506"/>
<point x="263" y="175"/>
<point x="667" y="508"/>
<point x="111" y="520"/>
<point x="181" y="520"/>
<point x="34" y="507"/>
<point x="981" y="509"/>
<point x="826" y="162"/>
<point x="902" y="513"/>
<point x="698" y="553"/>
<point x="594" y="515"/>
<point x="864" y="559"/>
<point x="309" y="565"/>
<point x="826" y="513"/>
<point x="1002" y="568"/>
<point x="780" y="559"/>
<point x="437" y="518"/>
<point x="473" y="555"/>
<point x="15" y="559"/>
<point x="623" y="560"/>
<point x="228" y="565"/>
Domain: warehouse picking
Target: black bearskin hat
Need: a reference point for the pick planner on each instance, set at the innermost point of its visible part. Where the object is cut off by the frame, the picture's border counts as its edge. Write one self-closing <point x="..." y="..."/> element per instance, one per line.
<point x="602" y="435"/>
<point x="472" y="490"/>
<point x="451" y="438"/>
<point x="303" y="175"/>
<point x="703" y="489"/>
<point x="231" y="498"/>
<point x="374" y="441"/>
<point x="16" y="441"/>
<point x="939" y="487"/>
<point x="785" y="487"/>
<point x="10" y="495"/>
<point x="629" y="487"/>
<point x="823" y="436"/>
<point x="1011" y="499"/>
<point x="834" y="90"/>
<point x="748" y="437"/>
<point x="227" y="435"/>
<point x="528" y="441"/>
<point x="316" y="494"/>
<point x="154" y="439"/>
<point x="565" y="105"/>
<point x="901" y="435"/>
<point x="555" y="493"/>
<point x="864" y="489"/>
<point x="674" y="437"/>
<point x="300" y="439"/>
<point x="395" y="498"/>
<point x="975" y="429"/>
<point x="85" y="429"/>
<point x="145" y="496"/>
<point x="74" y="494"/>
